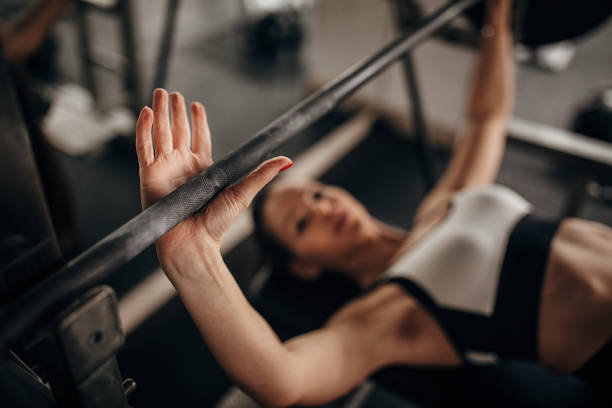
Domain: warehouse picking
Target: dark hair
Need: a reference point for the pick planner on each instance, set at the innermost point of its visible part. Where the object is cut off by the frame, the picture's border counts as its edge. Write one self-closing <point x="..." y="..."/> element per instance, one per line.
<point x="271" y="250"/>
<point x="330" y="290"/>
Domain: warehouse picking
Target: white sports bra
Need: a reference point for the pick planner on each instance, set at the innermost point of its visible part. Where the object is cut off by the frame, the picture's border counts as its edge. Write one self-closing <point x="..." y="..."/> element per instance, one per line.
<point x="458" y="263"/>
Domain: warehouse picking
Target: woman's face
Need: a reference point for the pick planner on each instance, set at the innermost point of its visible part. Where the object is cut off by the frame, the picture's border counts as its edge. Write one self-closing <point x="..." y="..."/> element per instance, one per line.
<point x="319" y="223"/>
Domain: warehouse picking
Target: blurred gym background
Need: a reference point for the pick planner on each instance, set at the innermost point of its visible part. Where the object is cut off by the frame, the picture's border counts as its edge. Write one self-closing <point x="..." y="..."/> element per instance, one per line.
<point x="248" y="61"/>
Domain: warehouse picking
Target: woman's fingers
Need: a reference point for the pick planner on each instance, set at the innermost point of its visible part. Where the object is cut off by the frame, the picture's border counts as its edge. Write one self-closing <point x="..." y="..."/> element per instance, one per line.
<point x="201" y="132"/>
<point x="247" y="188"/>
<point x="144" y="146"/>
<point x="180" y="124"/>
<point x="162" y="136"/>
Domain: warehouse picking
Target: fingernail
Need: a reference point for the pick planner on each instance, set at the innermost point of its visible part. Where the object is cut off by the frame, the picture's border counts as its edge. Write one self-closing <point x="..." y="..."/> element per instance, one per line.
<point x="159" y="93"/>
<point x="285" y="167"/>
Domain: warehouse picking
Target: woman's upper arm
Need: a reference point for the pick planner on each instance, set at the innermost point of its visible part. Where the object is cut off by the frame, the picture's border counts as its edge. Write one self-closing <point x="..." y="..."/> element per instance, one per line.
<point x="477" y="155"/>
<point x="476" y="159"/>
<point x="479" y="150"/>
<point x="385" y="327"/>
<point x="328" y="363"/>
<point x="358" y="340"/>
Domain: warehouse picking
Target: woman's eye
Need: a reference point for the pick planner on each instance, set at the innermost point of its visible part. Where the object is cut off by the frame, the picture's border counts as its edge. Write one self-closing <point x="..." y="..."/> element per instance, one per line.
<point x="301" y="225"/>
<point x="317" y="195"/>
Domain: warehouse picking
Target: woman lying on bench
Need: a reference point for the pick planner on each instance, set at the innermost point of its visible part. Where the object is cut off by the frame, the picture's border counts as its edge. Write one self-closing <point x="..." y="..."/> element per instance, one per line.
<point x="477" y="274"/>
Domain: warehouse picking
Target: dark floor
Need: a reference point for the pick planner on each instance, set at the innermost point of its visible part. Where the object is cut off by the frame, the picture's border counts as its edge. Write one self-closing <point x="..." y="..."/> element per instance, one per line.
<point x="166" y="355"/>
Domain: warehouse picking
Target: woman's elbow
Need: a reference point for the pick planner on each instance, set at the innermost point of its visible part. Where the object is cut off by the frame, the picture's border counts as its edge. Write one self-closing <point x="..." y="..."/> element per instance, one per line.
<point x="279" y="391"/>
<point x="275" y="398"/>
<point x="286" y="401"/>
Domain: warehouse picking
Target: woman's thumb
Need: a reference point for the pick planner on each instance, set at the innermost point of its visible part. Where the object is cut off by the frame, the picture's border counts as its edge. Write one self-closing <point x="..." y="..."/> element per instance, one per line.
<point x="247" y="188"/>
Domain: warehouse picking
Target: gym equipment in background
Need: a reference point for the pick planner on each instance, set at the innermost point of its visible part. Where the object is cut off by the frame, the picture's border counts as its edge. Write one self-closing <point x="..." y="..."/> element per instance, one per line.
<point x="540" y="22"/>
<point x="47" y="313"/>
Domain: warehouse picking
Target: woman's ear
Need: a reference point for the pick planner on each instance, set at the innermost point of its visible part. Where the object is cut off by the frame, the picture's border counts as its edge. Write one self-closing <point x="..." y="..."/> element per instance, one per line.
<point x="305" y="270"/>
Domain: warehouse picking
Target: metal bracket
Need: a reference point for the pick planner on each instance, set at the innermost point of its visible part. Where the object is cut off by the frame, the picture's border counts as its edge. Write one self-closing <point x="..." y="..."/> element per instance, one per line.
<point x="78" y="353"/>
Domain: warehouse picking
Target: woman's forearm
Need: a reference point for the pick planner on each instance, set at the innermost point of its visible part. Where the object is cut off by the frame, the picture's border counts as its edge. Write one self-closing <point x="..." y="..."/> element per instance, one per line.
<point x="241" y="340"/>
<point x="492" y="92"/>
<point x="479" y="150"/>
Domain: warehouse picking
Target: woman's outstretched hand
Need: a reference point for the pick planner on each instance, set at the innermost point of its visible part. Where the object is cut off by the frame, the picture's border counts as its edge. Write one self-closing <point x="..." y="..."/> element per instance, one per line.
<point x="169" y="154"/>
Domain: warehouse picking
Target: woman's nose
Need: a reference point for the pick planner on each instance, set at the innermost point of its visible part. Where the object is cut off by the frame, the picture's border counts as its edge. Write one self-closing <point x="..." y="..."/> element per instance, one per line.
<point x="323" y="207"/>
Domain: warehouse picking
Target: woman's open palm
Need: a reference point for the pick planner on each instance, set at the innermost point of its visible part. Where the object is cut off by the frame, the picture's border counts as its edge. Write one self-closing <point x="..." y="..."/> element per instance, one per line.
<point x="169" y="155"/>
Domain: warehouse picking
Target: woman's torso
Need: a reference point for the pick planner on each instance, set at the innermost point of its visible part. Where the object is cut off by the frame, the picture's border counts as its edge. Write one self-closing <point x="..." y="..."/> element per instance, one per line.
<point x="481" y="204"/>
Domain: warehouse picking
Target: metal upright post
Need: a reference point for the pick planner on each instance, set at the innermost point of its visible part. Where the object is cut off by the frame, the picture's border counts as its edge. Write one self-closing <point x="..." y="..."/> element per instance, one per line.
<point x="86" y="57"/>
<point x="428" y="160"/>
<point x="161" y="68"/>
<point x="407" y="13"/>
<point x="132" y="84"/>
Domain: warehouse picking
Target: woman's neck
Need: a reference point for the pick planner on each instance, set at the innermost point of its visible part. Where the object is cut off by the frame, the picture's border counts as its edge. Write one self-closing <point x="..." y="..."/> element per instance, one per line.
<point x="378" y="253"/>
